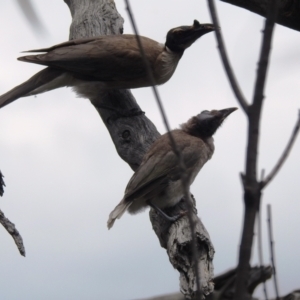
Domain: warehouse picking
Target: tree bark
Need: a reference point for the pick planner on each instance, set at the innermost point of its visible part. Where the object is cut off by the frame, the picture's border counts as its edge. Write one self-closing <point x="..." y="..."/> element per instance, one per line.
<point x="225" y="285"/>
<point x="133" y="133"/>
<point x="289" y="10"/>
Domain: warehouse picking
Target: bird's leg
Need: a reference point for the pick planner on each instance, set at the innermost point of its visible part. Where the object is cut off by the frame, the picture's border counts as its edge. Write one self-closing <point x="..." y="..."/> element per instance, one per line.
<point x="164" y="215"/>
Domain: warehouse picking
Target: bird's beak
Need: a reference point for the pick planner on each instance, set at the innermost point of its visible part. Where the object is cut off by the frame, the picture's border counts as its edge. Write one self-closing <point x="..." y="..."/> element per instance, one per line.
<point x="226" y="112"/>
<point x="201" y="29"/>
<point x="195" y="31"/>
<point x="182" y="37"/>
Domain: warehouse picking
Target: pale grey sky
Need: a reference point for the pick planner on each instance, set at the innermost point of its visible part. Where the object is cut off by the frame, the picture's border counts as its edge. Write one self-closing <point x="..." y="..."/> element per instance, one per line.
<point x="64" y="176"/>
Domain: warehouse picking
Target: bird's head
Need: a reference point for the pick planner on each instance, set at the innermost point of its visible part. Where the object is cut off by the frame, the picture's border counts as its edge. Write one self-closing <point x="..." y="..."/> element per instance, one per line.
<point x="180" y="38"/>
<point x="207" y="122"/>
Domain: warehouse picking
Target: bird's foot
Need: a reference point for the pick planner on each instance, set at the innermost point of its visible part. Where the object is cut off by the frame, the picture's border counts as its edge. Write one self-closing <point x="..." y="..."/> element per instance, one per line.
<point x="171" y="219"/>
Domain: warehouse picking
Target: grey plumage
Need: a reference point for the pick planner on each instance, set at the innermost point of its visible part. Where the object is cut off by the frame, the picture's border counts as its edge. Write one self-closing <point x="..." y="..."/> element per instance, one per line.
<point x="158" y="178"/>
<point x="112" y="61"/>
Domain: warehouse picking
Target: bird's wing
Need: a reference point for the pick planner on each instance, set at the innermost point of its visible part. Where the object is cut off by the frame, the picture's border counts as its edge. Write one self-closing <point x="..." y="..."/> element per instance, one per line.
<point x="152" y="174"/>
<point x="65" y="44"/>
<point x="156" y="172"/>
<point x="106" y="58"/>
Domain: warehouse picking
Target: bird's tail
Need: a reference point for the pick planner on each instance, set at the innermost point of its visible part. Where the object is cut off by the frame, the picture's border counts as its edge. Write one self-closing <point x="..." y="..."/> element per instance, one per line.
<point x="117" y="213"/>
<point x="38" y="83"/>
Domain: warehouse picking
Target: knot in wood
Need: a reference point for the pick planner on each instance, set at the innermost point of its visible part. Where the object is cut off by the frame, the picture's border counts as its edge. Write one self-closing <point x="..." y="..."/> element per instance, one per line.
<point x="126" y="136"/>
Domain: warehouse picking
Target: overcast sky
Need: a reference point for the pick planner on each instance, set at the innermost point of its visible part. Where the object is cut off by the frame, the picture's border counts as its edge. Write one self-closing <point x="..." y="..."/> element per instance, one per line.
<point x="64" y="176"/>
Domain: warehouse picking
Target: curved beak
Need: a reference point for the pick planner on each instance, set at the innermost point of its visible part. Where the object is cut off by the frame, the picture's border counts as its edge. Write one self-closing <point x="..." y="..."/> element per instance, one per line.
<point x="194" y="32"/>
<point x="182" y="37"/>
<point x="227" y="111"/>
<point x="202" y="28"/>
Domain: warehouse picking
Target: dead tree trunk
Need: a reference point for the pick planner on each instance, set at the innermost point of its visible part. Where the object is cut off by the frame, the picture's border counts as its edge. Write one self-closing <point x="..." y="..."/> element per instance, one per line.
<point x="133" y="133"/>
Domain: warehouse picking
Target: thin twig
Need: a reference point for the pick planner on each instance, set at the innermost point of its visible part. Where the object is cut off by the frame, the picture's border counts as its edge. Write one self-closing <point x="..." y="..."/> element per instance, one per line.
<point x="184" y="176"/>
<point x="284" y="155"/>
<point x="11" y="229"/>
<point x="272" y="252"/>
<point x="259" y="242"/>
<point x="228" y="69"/>
<point x="265" y="53"/>
<point x="260" y="252"/>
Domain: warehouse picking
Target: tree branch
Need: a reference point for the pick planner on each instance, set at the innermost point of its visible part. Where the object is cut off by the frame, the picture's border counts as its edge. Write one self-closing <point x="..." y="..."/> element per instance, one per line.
<point x="254" y="112"/>
<point x="8" y="225"/>
<point x="252" y="190"/>
<point x="259" y="245"/>
<point x="264" y="56"/>
<point x="184" y="177"/>
<point x="12" y="230"/>
<point x="225" y="284"/>
<point x="131" y="131"/>
<point x="2" y="184"/>
<point x="272" y="252"/>
<point x="289" y="10"/>
<point x="284" y="155"/>
<point x="132" y="135"/>
<point x="228" y="69"/>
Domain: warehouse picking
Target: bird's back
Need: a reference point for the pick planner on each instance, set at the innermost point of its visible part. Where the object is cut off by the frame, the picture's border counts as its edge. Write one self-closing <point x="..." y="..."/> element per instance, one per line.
<point x="105" y="58"/>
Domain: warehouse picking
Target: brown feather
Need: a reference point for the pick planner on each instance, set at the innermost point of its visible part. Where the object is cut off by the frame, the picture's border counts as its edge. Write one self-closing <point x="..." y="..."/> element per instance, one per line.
<point x="102" y="59"/>
<point x="159" y="168"/>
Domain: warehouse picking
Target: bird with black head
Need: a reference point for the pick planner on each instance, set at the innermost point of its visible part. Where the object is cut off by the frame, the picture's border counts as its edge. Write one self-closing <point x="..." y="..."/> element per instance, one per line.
<point x="157" y="182"/>
<point x="111" y="61"/>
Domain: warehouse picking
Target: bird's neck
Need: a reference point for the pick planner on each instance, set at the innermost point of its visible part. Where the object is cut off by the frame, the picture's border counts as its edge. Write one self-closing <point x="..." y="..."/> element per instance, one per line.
<point x="172" y="50"/>
<point x="166" y="65"/>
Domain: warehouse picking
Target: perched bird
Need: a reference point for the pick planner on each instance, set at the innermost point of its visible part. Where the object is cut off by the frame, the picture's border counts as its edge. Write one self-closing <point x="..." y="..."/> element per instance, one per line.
<point x="112" y="61"/>
<point x="157" y="182"/>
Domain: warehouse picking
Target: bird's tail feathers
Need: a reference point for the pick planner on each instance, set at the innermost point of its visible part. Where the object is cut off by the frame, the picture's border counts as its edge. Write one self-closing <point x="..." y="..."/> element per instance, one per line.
<point x="32" y="86"/>
<point x="117" y="213"/>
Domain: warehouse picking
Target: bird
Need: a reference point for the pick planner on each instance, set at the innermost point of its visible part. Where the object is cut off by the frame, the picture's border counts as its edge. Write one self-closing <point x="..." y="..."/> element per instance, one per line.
<point x="112" y="61"/>
<point x="157" y="181"/>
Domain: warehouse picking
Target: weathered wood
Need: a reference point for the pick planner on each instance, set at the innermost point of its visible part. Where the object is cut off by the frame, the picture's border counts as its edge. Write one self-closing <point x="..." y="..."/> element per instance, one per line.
<point x="225" y="285"/>
<point x="133" y="133"/>
<point x="8" y="225"/>
<point x="289" y="10"/>
<point x="12" y="230"/>
<point x="176" y="239"/>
